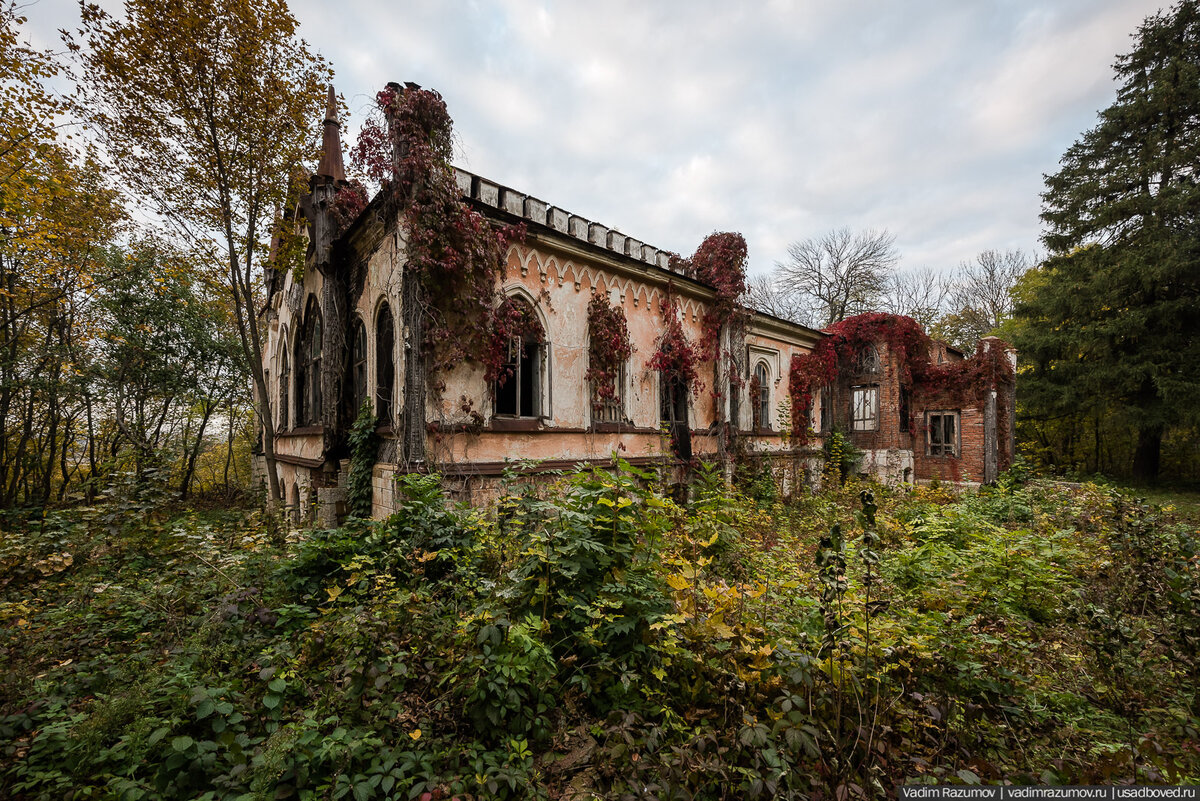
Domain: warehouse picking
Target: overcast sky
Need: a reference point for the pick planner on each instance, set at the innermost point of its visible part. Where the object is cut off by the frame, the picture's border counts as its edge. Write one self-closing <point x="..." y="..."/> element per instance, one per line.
<point x="781" y="120"/>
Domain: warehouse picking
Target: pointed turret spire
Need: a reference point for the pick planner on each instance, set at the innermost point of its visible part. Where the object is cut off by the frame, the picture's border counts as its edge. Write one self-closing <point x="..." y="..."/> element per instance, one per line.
<point x="330" y="165"/>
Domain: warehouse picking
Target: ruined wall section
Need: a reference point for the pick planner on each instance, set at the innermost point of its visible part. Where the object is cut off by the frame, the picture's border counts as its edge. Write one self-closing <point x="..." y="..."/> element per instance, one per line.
<point x="564" y="260"/>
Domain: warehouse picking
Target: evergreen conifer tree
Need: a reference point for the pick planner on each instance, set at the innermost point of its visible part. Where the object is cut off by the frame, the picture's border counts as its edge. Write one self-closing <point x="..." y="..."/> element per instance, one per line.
<point x="1115" y="326"/>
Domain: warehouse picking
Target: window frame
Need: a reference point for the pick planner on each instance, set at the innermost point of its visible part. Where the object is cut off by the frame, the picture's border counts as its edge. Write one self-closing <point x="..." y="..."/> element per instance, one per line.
<point x="611" y="410"/>
<point x="358" y="361"/>
<point x="384" y="393"/>
<point x="942" y="415"/>
<point x="307" y="366"/>
<point x="285" y="379"/>
<point x="869" y="361"/>
<point x="518" y="354"/>
<point x="760" y="409"/>
<point x="858" y="423"/>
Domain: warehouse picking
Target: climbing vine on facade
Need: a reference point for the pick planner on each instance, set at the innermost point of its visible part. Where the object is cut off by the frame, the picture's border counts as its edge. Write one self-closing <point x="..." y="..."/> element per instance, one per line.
<point x="514" y="319"/>
<point x="364" y="451"/>
<point x="720" y="262"/>
<point x="957" y="383"/>
<point x="608" y="346"/>
<point x="676" y="356"/>
<point x="348" y="204"/>
<point x="456" y="252"/>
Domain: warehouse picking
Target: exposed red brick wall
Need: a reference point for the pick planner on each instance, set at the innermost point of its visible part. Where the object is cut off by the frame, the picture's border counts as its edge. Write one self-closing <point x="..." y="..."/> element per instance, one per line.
<point x="968" y="465"/>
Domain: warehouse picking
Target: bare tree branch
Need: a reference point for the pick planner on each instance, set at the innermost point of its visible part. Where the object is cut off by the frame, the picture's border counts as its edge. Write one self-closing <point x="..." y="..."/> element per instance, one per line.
<point x="839" y="274"/>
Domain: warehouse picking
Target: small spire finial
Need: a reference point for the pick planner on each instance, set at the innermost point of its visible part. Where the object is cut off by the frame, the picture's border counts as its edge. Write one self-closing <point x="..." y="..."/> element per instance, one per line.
<point x="330" y="165"/>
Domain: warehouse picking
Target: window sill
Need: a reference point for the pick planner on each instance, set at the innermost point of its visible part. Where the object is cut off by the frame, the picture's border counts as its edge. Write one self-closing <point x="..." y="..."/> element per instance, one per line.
<point x="515" y="424"/>
<point x="302" y="431"/>
<point x="612" y="428"/>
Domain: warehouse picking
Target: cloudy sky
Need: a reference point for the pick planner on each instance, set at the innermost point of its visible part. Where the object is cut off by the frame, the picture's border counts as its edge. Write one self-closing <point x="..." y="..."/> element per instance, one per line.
<point x="781" y="120"/>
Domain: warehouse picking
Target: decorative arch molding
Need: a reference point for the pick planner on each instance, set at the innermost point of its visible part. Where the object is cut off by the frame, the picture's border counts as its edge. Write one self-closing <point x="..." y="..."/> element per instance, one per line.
<point x="585" y="277"/>
<point x="517" y="290"/>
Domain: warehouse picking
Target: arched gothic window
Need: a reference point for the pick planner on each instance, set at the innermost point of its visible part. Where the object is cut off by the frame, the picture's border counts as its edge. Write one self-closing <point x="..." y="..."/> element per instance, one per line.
<point x="868" y="360"/>
<point x="308" y="367"/>
<point x="285" y="378"/>
<point x="518" y="389"/>
<point x="359" y="363"/>
<point x="385" y="363"/>
<point x="762" y="399"/>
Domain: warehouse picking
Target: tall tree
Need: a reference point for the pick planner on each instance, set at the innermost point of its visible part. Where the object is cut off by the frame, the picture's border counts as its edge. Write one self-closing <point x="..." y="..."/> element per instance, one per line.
<point x="1117" y="323"/>
<point x="55" y="210"/>
<point x="764" y="294"/>
<point x="839" y="274"/>
<point x="980" y="297"/>
<point x="205" y="110"/>
<point x="919" y="294"/>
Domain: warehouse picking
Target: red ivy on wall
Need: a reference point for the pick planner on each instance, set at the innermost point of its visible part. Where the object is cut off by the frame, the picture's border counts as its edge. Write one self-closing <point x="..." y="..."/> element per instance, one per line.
<point x="458" y="254"/>
<point x="608" y="345"/>
<point x="720" y="262"/>
<point x="676" y="357"/>
<point x="348" y="203"/>
<point x="513" y="318"/>
<point x="957" y="383"/>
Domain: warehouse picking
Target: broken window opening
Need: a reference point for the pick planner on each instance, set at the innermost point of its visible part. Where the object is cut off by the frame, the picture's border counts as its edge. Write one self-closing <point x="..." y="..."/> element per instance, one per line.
<point x="866" y="408"/>
<point x="826" y="401"/>
<point x="868" y="360"/>
<point x="359" y="364"/>
<point x="610" y="409"/>
<point x="519" y="386"/>
<point x="308" y="366"/>
<point x="941" y="435"/>
<point x="285" y="378"/>
<point x="673" y="413"/>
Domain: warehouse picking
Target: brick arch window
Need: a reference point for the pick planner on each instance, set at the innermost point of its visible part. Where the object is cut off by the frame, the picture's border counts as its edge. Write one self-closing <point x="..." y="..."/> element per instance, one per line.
<point x="385" y="363"/>
<point x="522" y="376"/>
<point x="308" y="366"/>
<point x="868" y="360"/>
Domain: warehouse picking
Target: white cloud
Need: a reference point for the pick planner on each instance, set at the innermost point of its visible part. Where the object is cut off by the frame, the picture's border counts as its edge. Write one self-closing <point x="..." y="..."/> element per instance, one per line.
<point x="781" y="120"/>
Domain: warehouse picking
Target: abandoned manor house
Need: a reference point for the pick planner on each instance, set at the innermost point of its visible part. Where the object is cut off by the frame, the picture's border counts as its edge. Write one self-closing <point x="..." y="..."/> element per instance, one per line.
<point x="343" y="329"/>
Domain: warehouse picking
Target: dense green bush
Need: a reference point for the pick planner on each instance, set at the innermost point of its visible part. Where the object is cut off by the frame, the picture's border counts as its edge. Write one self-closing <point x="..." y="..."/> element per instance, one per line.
<point x="594" y="634"/>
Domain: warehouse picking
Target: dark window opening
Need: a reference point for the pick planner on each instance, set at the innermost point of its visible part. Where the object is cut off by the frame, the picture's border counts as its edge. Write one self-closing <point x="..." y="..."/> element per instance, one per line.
<point x="285" y="378"/>
<point x="359" y="364"/>
<point x="761" y="405"/>
<point x="942" y="434"/>
<point x="518" y="387"/>
<point x="673" y="412"/>
<point x="308" y="367"/>
<point x="904" y="409"/>
<point x="385" y="364"/>
<point x="610" y="409"/>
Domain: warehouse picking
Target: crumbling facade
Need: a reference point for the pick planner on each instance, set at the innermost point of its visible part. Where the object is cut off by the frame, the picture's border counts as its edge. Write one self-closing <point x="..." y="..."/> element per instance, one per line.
<point x="339" y="336"/>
